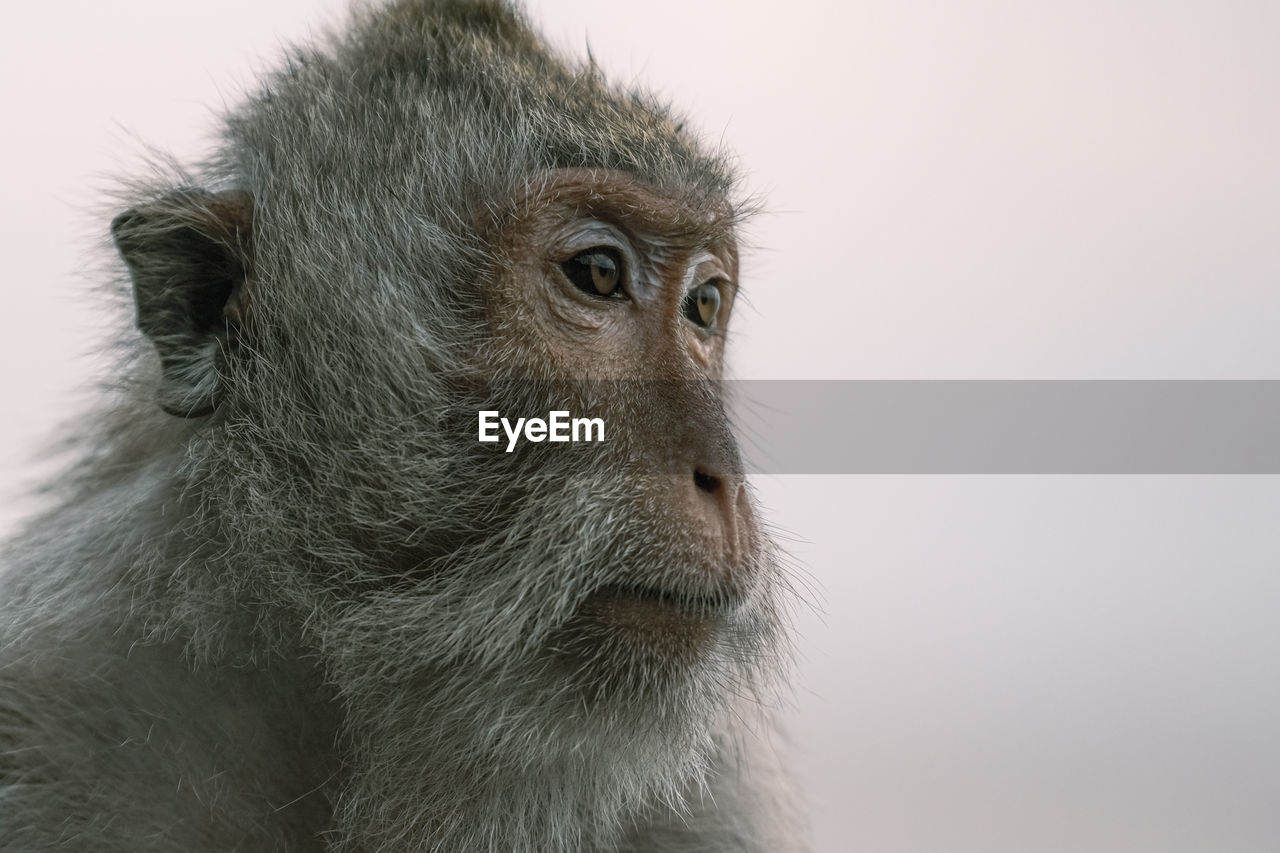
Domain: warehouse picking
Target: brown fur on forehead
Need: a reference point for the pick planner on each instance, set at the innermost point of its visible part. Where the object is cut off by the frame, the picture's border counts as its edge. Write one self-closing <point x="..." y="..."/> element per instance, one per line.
<point x="691" y="219"/>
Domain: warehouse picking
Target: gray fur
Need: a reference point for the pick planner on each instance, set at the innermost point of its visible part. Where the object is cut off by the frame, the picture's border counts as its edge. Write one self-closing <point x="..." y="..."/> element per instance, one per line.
<point x="303" y="615"/>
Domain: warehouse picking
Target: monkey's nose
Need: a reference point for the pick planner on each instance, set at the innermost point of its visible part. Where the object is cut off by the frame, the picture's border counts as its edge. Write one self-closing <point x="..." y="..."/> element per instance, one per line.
<point x="720" y="501"/>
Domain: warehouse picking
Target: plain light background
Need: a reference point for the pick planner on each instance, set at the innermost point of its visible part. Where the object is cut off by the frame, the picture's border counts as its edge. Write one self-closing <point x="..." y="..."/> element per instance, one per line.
<point x="958" y="189"/>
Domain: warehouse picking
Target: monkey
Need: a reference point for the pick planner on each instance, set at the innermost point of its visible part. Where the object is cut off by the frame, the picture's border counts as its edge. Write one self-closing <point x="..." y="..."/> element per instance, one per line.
<point x="285" y="600"/>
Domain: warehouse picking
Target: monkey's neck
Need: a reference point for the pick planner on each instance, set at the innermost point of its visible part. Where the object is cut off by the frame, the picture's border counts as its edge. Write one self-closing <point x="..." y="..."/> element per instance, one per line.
<point x="463" y="761"/>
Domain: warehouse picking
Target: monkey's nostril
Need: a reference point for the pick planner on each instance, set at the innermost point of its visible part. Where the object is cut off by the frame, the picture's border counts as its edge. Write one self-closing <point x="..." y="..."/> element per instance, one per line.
<point x="709" y="483"/>
<point x="719" y="508"/>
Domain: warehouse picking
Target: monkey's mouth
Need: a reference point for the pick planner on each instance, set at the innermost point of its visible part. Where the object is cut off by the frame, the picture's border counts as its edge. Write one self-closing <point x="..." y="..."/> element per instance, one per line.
<point x="660" y="631"/>
<point x="704" y="605"/>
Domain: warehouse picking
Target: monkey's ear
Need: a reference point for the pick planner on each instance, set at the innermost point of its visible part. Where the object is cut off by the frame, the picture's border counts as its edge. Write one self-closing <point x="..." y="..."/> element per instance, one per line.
<point x="189" y="254"/>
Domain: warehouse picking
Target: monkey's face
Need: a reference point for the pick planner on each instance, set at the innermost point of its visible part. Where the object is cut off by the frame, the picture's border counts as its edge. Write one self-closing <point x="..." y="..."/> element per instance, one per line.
<point x="611" y="301"/>
<point x="635" y="561"/>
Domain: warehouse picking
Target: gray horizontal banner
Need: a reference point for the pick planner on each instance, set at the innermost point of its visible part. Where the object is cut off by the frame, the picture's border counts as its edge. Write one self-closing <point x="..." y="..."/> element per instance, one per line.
<point x="1008" y="427"/>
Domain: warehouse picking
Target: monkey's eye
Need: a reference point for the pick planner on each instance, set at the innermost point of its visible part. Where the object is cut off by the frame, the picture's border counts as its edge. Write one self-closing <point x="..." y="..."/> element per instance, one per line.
<point x="596" y="271"/>
<point x="702" y="305"/>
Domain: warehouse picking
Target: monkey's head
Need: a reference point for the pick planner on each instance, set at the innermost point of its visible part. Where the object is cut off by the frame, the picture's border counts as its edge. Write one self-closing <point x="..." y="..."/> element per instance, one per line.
<point x="431" y="217"/>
